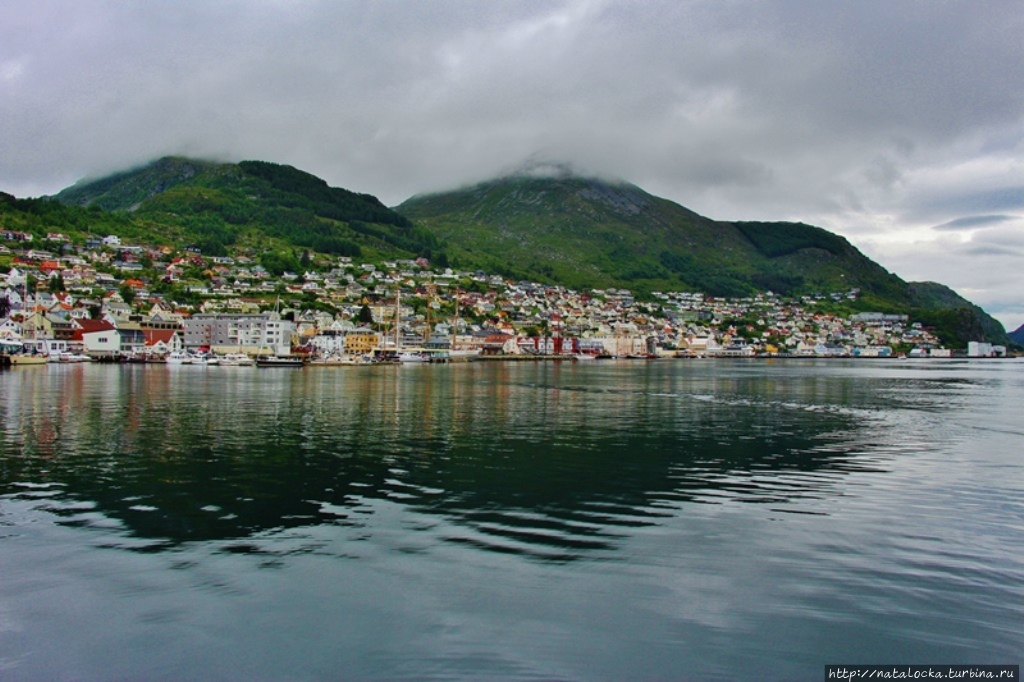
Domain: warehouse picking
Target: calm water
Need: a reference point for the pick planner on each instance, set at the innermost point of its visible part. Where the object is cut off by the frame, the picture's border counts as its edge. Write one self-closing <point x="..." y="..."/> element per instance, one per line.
<point x="665" y="520"/>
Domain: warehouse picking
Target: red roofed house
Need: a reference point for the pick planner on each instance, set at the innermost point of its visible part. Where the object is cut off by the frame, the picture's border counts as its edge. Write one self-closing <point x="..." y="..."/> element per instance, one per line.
<point x="95" y="337"/>
<point x="162" y="341"/>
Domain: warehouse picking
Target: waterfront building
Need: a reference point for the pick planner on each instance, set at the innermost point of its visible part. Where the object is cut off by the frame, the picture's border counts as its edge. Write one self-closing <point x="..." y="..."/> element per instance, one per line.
<point x="361" y="341"/>
<point x="328" y="342"/>
<point x="162" y="341"/>
<point x="97" y="338"/>
<point x="239" y="333"/>
<point x="979" y="349"/>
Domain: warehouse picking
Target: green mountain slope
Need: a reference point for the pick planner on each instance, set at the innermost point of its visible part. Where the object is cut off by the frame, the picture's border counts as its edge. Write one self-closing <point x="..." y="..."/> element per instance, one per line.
<point x="41" y="216"/>
<point x="944" y="309"/>
<point x="215" y="206"/>
<point x="592" y="233"/>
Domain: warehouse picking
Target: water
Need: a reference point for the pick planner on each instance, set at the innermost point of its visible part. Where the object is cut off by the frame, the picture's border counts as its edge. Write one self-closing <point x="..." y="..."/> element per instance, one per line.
<point x="619" y="520"/>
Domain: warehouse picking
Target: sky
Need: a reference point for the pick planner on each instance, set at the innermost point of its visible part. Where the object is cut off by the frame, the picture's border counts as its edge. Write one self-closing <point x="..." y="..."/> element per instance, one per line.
<point x="897" y="124"/>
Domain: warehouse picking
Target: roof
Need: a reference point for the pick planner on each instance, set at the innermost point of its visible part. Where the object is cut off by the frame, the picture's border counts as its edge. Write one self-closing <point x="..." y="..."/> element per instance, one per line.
<point x="155" y="336"/>
<point x="89" y="326"/>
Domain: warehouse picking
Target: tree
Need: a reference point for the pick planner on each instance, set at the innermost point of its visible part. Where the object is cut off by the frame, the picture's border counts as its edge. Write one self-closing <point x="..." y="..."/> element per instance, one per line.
<point x="127" y="294"/>
<point x="365" y="315"/>
<point x="55" y="284"/>
<point x="277" y="263"/>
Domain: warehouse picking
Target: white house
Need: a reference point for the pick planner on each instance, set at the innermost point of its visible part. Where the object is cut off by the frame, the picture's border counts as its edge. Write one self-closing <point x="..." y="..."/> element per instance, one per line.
<point x="102" y="343"/>
<point x="163" y="341"/>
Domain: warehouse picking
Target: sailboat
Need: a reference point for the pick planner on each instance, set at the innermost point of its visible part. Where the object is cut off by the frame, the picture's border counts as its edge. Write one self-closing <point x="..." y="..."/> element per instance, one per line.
<point x="454" y="354"/>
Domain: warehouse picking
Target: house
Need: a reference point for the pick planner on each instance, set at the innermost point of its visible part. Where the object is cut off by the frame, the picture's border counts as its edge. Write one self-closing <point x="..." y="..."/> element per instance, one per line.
<point x="361" y="341"/>
<point x="162" y="341"/>
<point x="328" y="342"/>
<point x="162" y="316"/>
<point x="98" y="338"/>
<point x="15" y="236"/>
<point x="10" y="329"/>
<point x="133" y="339"/>
<point x="500" y="344"/>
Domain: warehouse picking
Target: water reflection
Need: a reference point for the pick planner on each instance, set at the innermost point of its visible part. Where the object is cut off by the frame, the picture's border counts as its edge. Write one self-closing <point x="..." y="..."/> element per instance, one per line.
<point x="542" y="460"/>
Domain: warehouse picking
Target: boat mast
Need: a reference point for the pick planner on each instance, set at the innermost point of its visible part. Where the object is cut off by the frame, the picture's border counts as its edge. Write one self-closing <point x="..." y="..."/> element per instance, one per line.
<point x="455" y="327"/>
<point x="398" y="313"/>
<point x="431" y="295"/>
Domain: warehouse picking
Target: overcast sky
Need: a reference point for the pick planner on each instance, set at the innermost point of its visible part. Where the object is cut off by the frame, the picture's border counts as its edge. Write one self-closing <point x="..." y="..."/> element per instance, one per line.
<point x="899" y="125"/>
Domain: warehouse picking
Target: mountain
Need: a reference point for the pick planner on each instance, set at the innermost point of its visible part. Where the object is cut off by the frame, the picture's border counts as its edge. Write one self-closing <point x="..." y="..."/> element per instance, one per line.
<point x="589" y="232"/>
<point x="551" y="225"/>
<point x="40" y="216"/>
<point x="1017" y="336"/>
<point x="942" y="307"/>
<point x="219" y="205"/>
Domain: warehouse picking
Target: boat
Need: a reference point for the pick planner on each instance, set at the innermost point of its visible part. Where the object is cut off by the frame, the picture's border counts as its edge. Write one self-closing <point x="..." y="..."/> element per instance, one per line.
<point x="15" y="353"/>
<point x="144" y="358"/>
<point x="27" y="359"/>
<point x="236" y="360"/>
<point x="68" y="357"/>
<point x="206" y="359"/>
<point x="412" y="357"/>
<point x="179" y="358"/>
<point x="279" y="361"/>
<point x="336" y="360"/>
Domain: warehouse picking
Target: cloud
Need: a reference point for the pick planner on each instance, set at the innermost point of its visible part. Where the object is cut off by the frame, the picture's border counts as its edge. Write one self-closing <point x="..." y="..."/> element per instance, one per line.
<point x="974" y="222"/>
<point x="983" y="265"/>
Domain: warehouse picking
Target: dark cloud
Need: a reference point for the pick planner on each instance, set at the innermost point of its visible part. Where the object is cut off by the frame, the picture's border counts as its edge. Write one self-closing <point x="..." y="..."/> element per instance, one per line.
<point x="974" y="222"/>
<point x="969" y="200"/>
<point x="864" y="116"/>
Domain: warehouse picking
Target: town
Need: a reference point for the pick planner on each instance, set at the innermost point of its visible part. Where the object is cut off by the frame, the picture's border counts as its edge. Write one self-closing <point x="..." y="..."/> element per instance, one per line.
<point x="105" y="300"/>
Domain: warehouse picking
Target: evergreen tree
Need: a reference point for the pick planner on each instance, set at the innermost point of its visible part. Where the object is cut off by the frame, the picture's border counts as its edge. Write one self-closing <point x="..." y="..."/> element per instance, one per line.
<point x="365" y="315"/>
<point x="55" y="284"/>
<point x="127" y="294"/>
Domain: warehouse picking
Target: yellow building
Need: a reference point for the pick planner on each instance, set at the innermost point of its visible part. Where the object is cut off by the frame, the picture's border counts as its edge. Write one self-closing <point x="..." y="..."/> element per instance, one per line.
<point x="361" y="341"/>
